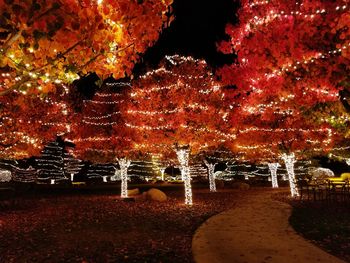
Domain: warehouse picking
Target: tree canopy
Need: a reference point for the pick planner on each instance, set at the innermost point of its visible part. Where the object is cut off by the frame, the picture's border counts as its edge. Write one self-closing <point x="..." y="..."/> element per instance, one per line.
<point x="48" y="42"/>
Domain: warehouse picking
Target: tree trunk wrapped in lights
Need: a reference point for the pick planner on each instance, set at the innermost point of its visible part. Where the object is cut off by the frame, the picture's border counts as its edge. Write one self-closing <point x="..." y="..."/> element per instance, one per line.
<point x="211" y="167"/>
<point x="124" y="165"/>
<point x="162" y="171"/>
<point x="183" y="155"/>
<point x="273" y="169"/>
<point x="289" y="160"/>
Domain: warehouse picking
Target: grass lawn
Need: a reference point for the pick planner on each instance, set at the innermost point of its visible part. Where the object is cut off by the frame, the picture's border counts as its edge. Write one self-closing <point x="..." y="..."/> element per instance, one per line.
<point x="103" y="228"/>
<point x="327" y="224"/>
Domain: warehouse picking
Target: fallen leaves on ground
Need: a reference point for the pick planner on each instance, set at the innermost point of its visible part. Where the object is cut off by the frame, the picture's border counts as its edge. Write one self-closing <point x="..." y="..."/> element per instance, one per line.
<point x="104" y="228"/>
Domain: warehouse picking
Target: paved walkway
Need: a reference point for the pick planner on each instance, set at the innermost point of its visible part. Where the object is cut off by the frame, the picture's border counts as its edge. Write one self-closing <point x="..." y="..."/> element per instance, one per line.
<point x="257" y="230"/>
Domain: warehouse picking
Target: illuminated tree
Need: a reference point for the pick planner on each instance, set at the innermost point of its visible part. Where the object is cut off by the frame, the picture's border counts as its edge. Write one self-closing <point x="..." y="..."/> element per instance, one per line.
<point x="72" y="165"/>
<point x="211" y="168"/>
<point x="46" y="42"/>
<point x="178" y="106"/>
<point x="291" y="56"/>
<point x="273" y="169"/>
<point x="283" y="138"/>
<point x="52" y="161"/>
<point x="303" y="43"/>
<point x="101" y="135"/>
<point x="27" y="123"/>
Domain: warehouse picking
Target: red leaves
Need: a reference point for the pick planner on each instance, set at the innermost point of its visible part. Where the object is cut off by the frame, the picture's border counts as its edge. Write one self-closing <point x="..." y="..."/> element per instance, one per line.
<point x="283" y="69"/>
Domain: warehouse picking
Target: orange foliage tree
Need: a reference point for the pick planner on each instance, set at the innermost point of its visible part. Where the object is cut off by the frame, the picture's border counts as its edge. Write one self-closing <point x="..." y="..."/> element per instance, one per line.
<point x="101" y="135"/>
<point x="47" y="42"/>
<point x="178" y="106"/>
<point x="29" y="122"/>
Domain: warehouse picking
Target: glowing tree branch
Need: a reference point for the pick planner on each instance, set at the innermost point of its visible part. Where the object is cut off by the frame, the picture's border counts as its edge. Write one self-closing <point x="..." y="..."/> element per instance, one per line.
<point x="273" y="169"/>
<point x="211" y="167"/>
<point x="289" y="160"/>
<point x="183" y="155"/>
<point x="124" y="165"/>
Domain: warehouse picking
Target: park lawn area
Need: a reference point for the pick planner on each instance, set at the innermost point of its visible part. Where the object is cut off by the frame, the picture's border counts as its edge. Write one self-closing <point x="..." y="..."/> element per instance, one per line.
<point x="104" y="228"/>
<point x="326" y="224"/>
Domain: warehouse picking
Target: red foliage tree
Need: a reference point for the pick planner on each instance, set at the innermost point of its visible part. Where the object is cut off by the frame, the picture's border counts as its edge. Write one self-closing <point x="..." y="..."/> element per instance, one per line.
<point x="178" y="106"/>
<point x="290" y="57"/>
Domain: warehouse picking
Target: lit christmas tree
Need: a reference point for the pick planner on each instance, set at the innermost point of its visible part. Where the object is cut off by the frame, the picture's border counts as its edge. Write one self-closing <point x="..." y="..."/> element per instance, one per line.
<point x="51" y="162"/>
<point x="72" y="165"/>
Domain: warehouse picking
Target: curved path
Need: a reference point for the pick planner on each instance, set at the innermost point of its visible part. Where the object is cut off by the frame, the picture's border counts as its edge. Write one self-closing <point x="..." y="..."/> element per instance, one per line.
<point x="257" y="230"/>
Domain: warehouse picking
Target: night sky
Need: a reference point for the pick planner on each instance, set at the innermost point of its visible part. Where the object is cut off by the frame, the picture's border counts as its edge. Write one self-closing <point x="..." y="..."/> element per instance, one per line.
<point x="198" y="25"/>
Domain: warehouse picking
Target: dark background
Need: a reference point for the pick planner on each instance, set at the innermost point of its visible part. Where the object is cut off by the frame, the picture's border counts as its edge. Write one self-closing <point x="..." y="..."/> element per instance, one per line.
<point x="198" y="26"/>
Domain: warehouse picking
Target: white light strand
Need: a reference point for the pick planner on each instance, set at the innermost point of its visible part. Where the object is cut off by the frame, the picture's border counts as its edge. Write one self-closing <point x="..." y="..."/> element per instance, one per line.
<point x="124" y="164"/>
<point x="101" y="117"/>
<point x="211" y="167"/>
<point x="289" y="160"/>
<point x="183" y="156"/>
<point x="103" y="102"/>
<point x="163" y="70"/>
<point x="99" y="123"/>
<point x="254" y="22"/>
<point x="178" y="60"/>
<point x="5" y="176"/>
<point x="162" y="171"/>
<point x="273" y="169"/>
<point x="119" y="84"/>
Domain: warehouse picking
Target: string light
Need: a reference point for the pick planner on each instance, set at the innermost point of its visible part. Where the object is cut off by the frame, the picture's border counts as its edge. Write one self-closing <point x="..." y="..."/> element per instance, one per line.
<point x="118" y="84"/>
<point x="162" y="171"/>
<point x="178" y="60"/>
<point x="51" y="162"/>
<point x="5" y="176"/>
<point x="72" y="165"/>
<point x="124" y="165"/>
<point x="256" y="21"/>
<point x="213" y="87"/>
<point x="289" y="160"/>
<point x="183" y="155"/>
<point x="273" y="169"/>
<point x="100" y="124"/>
<point x="211" y="167"/>
<point x="29" y="175"/>
<point x="103" y="102"/>
<point x="100" y="171"/>
<point x="106" y="116"/>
